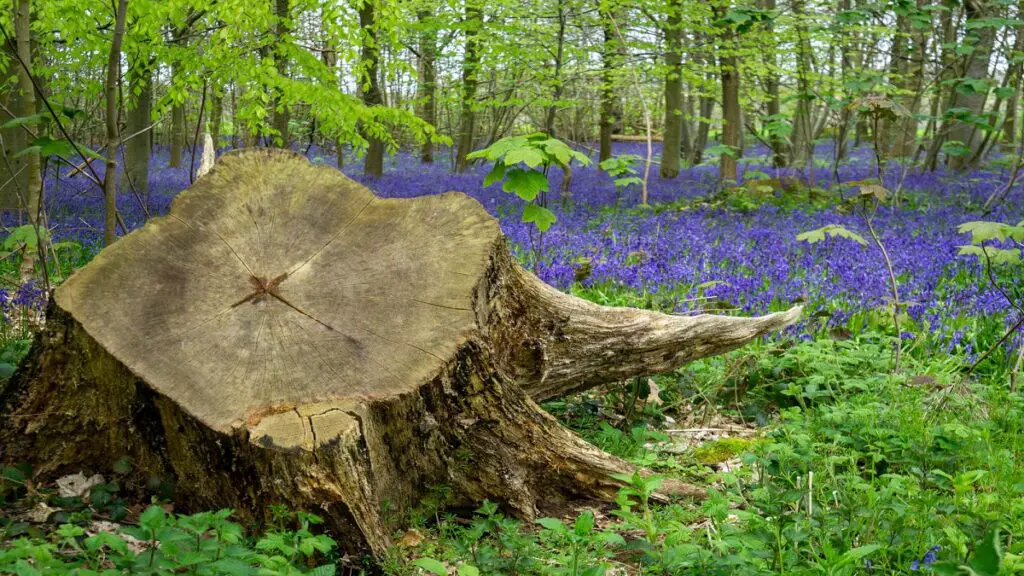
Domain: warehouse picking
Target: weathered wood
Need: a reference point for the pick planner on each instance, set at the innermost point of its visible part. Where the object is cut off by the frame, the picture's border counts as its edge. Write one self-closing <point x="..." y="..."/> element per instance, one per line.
<point x="284" y="336"/>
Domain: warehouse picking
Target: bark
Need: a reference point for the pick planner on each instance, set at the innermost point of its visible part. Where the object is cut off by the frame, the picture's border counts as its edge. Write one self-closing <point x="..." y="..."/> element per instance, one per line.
<point x="428" y="81"/>
<point x="470" y="66"/>
<point x="369" y="56"/>
<point x="607" y="119"/>
<point x="274" y="368"/>
<point x="559" y="87"/>
<point x="12" y="181"/>
<point x="778" y="144"/>
<point x="673" y="127"/>
<point x="982" y="39"/>
<point x="110" y="117"/>
<point x="1015" y="77"/>
<point x="707" y="109"/>
<point x="887" y="133"/>
<point x="33" y="176"/>
<point x="216" y="115"/>
<point x="803" y="129"/>
<point x="905" y="145"/>
<point x="177" y="125"/>
<point x="942" y="102"/>
<point x="731" y="121"/>
<point x="282" y="113"/>
<point x="138" y="148"/>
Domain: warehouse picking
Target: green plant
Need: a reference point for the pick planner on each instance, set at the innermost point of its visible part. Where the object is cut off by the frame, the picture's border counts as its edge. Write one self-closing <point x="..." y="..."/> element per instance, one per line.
<point x="536" y="152"/>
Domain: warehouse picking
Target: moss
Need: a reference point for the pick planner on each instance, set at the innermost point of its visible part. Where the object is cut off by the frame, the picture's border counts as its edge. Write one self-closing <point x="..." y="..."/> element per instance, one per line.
<point x="718" y="451"/>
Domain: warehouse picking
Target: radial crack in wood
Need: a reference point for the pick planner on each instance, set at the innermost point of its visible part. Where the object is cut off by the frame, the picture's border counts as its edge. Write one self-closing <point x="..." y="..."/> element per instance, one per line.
<point x="283" y="336"/>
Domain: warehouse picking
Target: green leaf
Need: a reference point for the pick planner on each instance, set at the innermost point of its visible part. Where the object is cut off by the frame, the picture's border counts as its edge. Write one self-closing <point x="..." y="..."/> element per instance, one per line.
<point x="833" y="231"/>
<point x="530" y="156"/>
<point x="526" y="184"/>
<point x="46" y="146"/>
<point x="553" y="524"/>
<point x="431" y="566"/>
<point x="983" y="231"/>
<point x="874" y="190"/>
<point x="988" y="556"/>
<point x="956" y="148"/>
<point x="540" y="216"/>
<point x="584" y="524"/>
<point x="495" y="175"/>
<point x="468" y="570"/>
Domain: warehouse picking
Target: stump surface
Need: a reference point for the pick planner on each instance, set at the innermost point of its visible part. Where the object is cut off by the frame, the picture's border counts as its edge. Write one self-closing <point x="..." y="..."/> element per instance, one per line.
<point x="298" y="288"/>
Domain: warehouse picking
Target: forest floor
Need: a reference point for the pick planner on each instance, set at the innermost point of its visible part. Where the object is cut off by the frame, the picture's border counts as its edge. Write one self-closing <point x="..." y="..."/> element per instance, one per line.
<point x="821" y="458"/>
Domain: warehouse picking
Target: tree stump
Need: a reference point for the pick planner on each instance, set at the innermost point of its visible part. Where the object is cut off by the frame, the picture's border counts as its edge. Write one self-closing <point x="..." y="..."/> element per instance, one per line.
<point x="284" y="336"/>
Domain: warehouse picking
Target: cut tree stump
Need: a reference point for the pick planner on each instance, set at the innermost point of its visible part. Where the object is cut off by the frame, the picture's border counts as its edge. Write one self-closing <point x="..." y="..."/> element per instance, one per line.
<point x="284" y="336"/>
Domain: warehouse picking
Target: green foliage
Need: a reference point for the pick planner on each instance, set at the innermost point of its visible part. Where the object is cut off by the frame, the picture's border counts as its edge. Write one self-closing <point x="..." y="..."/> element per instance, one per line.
<point x="208" y="543"/>
<point x="538" y="153"/>
<point x="832" y="231"/>
<point x="984" y="236"/>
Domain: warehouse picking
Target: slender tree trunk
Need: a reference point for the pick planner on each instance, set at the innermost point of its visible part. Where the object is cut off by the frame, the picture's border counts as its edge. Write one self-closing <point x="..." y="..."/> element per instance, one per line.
<point x="470" y="64"/>
<point x="373" y="163"/>
<point x="33" y="176"/>
<point x="942" y="102"/>
<point x="549" y="121"/>
<point x="1015" y="75"/>
<point x="607" y="120"/>
<point x="110" y="93"/>
<point x="731" y="121"/>
<point x="803" y="130"/>
<point x="672" y="143"/>
<point x="982" y="40"/>
<point x="137" y="150"/>
<point x="12" y="180"/>
<point x="905" y="144"/>
<point x="707" y="108"/>
<point x="897" y="71"/>
<point x="282" y="114"/>
<point x="216" y="114"/>
<point x="177" y="125"/>
<point x="428" y="81"/>
<point x="771" y="87"/>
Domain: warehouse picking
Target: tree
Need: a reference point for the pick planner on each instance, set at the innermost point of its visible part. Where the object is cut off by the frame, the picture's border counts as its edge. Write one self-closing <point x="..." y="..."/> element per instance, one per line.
<point x="729" y="68"/>
<point x="473" y="25"/>
<point x="427" y="78"/>
<point x="282" y="14"/>
<point x="31" y="165"/>
<point x="110" y="118"/>
<point x="673" y="128"/>
<point x="369" y="56"/>
<point x="608" y="64"/>
<point x="272" y="368"/>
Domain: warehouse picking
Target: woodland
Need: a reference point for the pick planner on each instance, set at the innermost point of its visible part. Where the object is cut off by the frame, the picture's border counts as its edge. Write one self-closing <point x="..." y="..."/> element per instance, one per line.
<point x="525" y="287"/>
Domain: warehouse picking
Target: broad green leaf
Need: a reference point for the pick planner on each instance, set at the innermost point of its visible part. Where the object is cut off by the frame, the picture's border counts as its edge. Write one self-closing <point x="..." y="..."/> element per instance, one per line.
<point x="495" y="175"/>
<point x="553" y="524"/>
<point x="982" y="231"/>
<point x="431" y="566"/>
<point x="584" y="524"/>
<point x="526" y="184"/>
<point x="833" y="231"/>
<point x="539" y="215"/>
<point x="468" y="570"/>
<point x="530" y="156"/>
<point x="988" y="556"/>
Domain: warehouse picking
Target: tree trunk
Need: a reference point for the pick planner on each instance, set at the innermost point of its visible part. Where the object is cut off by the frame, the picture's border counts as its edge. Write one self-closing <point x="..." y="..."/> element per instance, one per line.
<point x="33" y="176"/>
<point x="982" y="40"/>
<point x="252" y="369"/>
<point x="673" y="129"/>
<point x="282" y="114"/>
<point x="12" y="175"/>
<point x="137" y="149"/>
<point x="556" y="95"/>
<point x="369" y="56"/>
<point x="731" y="121"/>
<point x="803" y="129"/>
<point x="1015" y="77"/>
<point x="110" y="117"/>
<point x="177" y="125"/>
<point x="216" y="114"/>
<point x="428" y="81"/>
<point x="470" y="64"/>
<point x="607" y="120"/>
<point x="776" y="141"/>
